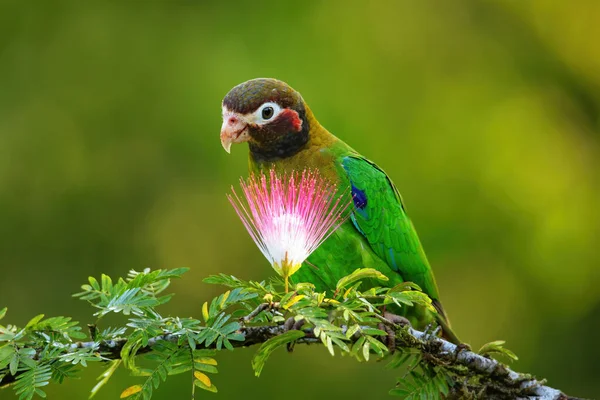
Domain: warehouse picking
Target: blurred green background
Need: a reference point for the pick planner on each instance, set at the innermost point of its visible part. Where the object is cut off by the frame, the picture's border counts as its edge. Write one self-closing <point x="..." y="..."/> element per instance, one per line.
<point x="485" y="114"/>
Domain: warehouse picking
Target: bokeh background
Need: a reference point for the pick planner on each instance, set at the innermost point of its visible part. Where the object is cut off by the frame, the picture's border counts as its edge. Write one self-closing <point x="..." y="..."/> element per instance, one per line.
<point x="485" y="114"/>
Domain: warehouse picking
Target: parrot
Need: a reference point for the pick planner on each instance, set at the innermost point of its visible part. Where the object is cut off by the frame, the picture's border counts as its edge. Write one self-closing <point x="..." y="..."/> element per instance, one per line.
<point x="283" y="134"/>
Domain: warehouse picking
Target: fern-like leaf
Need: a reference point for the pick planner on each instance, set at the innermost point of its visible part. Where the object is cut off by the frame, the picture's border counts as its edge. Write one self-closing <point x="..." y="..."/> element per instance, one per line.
<point x="30" y="382"/>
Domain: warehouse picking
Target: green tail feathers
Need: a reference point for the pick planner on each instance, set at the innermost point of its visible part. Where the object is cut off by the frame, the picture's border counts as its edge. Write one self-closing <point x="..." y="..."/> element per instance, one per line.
<point x="444" y="322"/>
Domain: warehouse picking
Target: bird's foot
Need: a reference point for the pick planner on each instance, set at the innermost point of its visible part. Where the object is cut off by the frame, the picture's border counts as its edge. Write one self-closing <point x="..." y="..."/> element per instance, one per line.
<point x="291" y="324"/>
<point x="460" y="348"/>
<point x="431" y="332"/>
<point x="388" y="325"/>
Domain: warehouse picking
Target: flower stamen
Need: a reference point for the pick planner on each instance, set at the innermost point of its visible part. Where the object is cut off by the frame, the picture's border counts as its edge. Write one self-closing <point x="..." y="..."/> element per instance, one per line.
<point x="289" y="216"/>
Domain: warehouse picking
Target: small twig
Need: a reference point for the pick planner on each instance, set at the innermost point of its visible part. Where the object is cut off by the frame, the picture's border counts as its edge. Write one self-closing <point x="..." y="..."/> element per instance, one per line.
<point x="262" y="307"/>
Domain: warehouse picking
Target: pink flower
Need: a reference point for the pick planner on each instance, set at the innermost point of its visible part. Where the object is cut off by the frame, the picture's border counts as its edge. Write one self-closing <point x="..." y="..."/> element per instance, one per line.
<point x="289" y="217"/>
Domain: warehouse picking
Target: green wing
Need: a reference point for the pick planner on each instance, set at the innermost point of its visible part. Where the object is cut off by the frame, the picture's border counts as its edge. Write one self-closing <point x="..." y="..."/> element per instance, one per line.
<point x="340" y="255"/>
<point x="380" y="217"/>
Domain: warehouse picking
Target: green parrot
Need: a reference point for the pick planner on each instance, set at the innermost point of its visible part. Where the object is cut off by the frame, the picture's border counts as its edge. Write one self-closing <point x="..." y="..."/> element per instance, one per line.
<point x="282" y="133"/>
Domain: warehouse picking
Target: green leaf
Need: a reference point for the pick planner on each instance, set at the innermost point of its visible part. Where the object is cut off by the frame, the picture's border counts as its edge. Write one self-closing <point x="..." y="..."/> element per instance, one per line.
<point x="137" y="294"/>
<point x="205" y="367"/>
<point x="58" y="328"/>
<point x="34" y="321"/>
<point x="130" y="391"/>
<point x="202" y="385"/>
<point x="166" y="356"/>
<point x="107" y="285"/>
<point x="3" y="312"/>
<point x="423" y="383"/>
<point x="374" y="332"/>
<point x="360" y="274"/>
<point x="224" y="280"/>
<point x="366" y="348"/>
<point x="377" y="346"/>
<point x="410" y="298"/>
<point x="133" y="344"/>
<point x="6" y="355"/>
<point x="265" y="350"/>
<point x="94" y="283"/>
<point x="357" y="346"/>
<point x="496" y="347"/>
<point x="405" y="286"/>
<point x="352" y="330"/>
<point x="29" y="382"/>
<point x="401" y="358"/>
<point x="14" y="364"/>
<point x="61" y="371"/>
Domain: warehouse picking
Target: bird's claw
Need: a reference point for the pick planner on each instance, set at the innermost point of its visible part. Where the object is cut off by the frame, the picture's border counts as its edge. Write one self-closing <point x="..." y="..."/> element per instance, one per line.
<point x="460" y="348"/>
<point x="390" y="338"/>
<point x="431" y="332"/>
<point x="291" y="324"/>
<point x="396" y="319"/>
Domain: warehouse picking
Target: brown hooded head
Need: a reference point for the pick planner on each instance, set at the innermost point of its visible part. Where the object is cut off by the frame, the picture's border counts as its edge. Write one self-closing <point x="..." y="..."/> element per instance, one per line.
<point x="269" y="115"/>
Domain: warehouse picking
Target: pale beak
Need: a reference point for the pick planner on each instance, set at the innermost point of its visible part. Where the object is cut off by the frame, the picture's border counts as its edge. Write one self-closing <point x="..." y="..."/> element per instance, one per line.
<point x="233" y="130"/>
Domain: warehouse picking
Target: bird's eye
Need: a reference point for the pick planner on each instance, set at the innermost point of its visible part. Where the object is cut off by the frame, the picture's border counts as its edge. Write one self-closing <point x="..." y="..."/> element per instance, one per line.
<point x="267" y="112"/>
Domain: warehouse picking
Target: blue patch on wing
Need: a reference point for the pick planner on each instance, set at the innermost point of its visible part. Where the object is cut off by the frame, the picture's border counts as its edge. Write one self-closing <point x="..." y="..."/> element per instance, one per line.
<point x="393" y="259"/>
<point x="359" y="197"/>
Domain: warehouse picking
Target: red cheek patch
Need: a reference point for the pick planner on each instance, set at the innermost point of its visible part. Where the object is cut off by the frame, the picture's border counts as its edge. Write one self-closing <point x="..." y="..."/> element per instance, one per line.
<point x="291" y="118"/>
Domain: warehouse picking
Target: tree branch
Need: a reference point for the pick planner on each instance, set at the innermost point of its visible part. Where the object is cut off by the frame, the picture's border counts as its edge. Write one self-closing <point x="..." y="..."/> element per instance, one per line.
<point x="520" y="385"/>
<point x="501" y="381"/>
